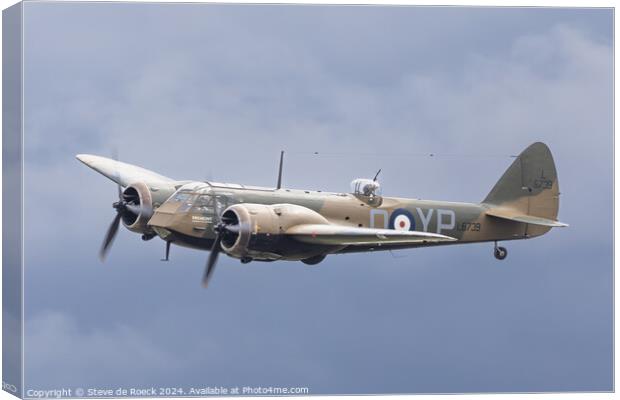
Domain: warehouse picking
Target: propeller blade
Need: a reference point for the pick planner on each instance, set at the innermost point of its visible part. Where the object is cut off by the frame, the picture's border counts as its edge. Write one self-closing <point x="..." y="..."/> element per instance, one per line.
<point x="215" y="251"/>
<point x="233" y="228"/>
<point x="109" y="237"/>
<point x="117" y="174"/>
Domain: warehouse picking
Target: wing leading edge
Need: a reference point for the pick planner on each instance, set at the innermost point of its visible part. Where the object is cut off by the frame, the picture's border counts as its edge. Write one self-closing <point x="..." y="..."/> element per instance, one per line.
<point x="122" y="173"/>
<point x="352" y="236"/>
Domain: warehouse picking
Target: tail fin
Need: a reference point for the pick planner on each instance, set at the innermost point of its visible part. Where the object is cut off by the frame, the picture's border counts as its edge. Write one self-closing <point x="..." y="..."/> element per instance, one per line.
<point x="528" y="188"/>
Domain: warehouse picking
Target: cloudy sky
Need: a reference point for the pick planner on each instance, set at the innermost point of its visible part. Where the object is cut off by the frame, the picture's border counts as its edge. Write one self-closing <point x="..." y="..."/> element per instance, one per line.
<point x="195" y="92"/>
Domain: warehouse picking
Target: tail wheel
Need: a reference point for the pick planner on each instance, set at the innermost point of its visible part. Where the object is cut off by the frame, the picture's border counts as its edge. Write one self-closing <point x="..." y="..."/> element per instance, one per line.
<point x="500" y="253"/>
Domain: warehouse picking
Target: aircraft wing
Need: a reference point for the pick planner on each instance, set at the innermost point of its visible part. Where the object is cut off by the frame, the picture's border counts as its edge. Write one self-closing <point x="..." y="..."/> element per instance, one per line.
<point x="353" y="236"/>
<point x="122" y="173"/>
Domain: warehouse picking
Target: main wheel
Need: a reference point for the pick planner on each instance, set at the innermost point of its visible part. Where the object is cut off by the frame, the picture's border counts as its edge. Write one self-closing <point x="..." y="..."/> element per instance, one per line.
<point x="500" y="253"/>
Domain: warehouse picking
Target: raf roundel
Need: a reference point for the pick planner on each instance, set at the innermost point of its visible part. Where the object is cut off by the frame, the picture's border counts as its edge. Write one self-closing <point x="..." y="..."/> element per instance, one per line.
<point x="402" y="220"/>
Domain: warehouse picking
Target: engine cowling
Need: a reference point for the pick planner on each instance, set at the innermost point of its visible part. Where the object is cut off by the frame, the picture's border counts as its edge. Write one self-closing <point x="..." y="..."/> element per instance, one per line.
<point x="139" y="196"/>
<point x="260" y="228"/>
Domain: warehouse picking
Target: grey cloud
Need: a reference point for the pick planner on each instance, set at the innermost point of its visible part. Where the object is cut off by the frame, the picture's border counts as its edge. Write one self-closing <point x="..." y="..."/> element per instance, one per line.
<point x="88" y="354"/>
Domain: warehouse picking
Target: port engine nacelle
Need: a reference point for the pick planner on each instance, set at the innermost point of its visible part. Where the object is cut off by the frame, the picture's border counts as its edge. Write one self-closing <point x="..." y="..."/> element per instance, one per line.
<point x="254" y="230"/>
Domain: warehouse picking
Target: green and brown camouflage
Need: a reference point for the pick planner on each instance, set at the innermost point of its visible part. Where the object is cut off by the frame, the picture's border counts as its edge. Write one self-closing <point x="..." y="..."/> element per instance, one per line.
<point x="267" y="224"/>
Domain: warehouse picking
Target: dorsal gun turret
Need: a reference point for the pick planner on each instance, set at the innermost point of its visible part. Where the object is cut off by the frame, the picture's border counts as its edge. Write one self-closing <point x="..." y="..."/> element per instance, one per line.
<point x="366" y="187"/>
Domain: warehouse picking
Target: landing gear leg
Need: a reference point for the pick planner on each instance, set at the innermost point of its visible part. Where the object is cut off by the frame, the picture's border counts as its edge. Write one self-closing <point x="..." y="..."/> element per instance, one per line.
<point x="168" y="242"/>
<point x="500" y="252"/>
<point x="245" y="260"/>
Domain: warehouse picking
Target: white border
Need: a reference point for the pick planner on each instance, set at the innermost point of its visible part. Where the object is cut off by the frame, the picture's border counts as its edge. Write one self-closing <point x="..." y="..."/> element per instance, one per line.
<point x="479" y="3"/>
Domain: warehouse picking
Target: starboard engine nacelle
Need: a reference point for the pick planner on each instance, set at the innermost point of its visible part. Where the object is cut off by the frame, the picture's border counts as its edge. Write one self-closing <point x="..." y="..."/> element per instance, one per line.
<point x="254" y="230"/>
<point x="139" y="201"/>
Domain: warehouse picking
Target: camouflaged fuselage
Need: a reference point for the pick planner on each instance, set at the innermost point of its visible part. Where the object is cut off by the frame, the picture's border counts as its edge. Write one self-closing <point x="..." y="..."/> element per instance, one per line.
<point x="189" y="216"/>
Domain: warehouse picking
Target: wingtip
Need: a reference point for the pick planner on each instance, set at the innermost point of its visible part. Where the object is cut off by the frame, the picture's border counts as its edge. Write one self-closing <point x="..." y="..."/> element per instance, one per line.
<point x="92" y="160"/>
<point x="83" y="158"/>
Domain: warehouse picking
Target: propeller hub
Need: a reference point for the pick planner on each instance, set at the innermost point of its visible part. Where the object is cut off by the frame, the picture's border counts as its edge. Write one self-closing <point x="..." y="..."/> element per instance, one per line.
<point x="223" y="228"/>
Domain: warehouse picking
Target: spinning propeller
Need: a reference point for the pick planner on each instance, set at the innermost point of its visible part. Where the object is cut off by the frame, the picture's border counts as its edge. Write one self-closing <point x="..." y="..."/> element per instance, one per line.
<point x="222" y="230"/>
<point x="122" y="206"/>
<point x="125" y="205"/>
<point x="228" y="227"/>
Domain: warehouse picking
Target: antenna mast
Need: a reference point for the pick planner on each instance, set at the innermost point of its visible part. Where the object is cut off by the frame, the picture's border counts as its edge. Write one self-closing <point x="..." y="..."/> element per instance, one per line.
<point x="280" y="170"/>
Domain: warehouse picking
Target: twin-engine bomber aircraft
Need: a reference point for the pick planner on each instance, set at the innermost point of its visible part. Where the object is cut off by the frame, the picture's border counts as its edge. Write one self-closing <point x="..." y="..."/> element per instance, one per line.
<point x="268" y="224"/>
